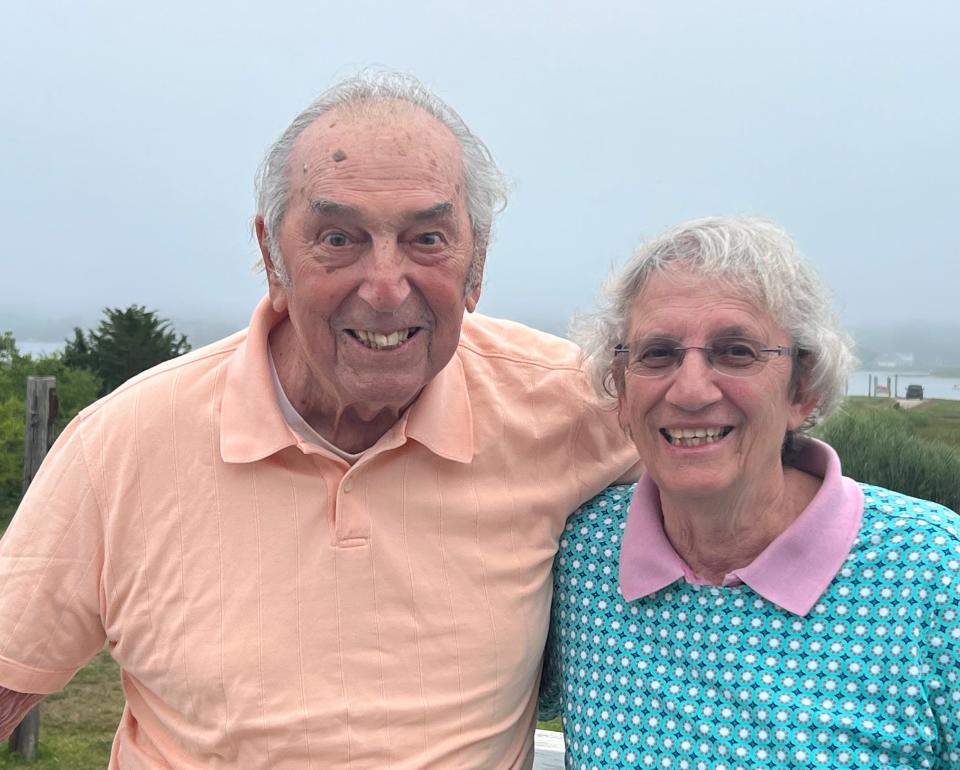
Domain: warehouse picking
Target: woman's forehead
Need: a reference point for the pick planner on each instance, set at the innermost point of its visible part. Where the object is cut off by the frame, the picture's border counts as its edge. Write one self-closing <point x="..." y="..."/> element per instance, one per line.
<point x="681" y="304"/>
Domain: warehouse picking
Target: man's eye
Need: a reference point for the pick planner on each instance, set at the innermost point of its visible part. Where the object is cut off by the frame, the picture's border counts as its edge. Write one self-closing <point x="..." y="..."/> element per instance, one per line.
<point x="335" y="239"/>
<point x="429" y="239"/>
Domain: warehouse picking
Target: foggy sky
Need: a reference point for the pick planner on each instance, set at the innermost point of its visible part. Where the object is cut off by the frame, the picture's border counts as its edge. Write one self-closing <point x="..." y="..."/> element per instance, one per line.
<point x="130" y="134"/>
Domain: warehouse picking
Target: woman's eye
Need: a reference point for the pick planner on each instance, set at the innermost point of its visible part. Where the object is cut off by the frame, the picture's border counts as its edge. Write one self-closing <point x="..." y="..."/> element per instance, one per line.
<point x="735" y="350"/>
<point x="335" y="239"/>
<point x="656" y="356"/>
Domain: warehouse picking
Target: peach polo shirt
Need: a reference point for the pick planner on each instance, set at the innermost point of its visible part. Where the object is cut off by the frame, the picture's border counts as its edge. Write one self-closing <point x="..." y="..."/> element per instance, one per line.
<point x="273" y="607"/>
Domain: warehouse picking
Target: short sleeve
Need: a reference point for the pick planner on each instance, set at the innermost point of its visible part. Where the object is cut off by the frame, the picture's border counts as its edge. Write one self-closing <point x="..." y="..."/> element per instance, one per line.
<point x="51" y="560"/>
<point x="602" y="453"/>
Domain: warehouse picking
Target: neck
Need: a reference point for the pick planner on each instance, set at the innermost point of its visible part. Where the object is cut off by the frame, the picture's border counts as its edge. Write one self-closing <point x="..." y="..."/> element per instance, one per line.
<point x="351" y="427"/>
<point x="347" y="429"/>
<point x="715" y="538"/>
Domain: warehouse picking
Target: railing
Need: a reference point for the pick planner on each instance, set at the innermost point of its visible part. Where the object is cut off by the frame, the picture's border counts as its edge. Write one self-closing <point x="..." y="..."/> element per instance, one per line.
<point x="548" y="750"/>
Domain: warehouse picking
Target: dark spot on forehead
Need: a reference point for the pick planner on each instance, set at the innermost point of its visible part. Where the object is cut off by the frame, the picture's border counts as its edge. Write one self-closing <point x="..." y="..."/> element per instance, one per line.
<point x="339" y="155"/>
<point x="457" y="188"/>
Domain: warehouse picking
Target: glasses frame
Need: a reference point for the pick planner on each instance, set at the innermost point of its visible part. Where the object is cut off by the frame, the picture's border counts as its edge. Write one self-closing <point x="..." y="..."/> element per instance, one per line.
<point x="680" y="352"/>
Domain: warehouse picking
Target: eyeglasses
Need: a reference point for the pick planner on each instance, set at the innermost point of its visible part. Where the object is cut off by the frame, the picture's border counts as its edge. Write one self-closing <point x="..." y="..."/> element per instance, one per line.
<point x="733" y="356"/>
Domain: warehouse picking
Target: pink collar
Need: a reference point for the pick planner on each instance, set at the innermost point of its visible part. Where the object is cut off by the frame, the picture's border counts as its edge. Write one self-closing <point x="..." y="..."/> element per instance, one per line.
<point x="793" y="571"/>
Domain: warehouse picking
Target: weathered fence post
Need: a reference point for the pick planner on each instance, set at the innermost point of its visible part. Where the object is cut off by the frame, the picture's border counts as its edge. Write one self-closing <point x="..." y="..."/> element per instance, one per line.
<point x="42" y="409"/>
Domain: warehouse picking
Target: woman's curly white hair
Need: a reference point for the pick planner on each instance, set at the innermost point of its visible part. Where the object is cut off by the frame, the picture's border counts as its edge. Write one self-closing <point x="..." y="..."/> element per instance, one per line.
<point x="753" y="257"/>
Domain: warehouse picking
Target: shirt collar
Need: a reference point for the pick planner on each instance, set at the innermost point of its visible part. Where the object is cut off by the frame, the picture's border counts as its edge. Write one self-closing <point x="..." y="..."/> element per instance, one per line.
<point x="252" y="425"/>
<point x="441" y="418"/>
<point x="792" y="572"/>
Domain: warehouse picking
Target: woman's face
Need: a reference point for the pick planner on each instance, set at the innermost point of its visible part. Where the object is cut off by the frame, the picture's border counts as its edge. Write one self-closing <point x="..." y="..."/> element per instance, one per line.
<point x="740" y="422"/>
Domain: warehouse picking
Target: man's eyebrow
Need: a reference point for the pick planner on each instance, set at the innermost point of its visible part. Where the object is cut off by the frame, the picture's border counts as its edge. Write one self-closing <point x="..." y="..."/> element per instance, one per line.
<point x="324" y="206"/>
<point x="440" y="211"/>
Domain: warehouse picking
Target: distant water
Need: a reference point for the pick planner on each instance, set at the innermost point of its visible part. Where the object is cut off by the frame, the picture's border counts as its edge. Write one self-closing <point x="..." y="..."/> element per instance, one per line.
<point x="933" y="387"/>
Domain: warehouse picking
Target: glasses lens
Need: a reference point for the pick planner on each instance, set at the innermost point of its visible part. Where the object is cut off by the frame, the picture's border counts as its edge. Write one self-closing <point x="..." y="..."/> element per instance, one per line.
<point x="655" y="355"/>
<point x="736" y="356"/>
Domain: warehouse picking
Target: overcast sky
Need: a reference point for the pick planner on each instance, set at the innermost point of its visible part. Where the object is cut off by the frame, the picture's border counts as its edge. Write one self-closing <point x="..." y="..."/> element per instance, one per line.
<point x="131" y="131"/>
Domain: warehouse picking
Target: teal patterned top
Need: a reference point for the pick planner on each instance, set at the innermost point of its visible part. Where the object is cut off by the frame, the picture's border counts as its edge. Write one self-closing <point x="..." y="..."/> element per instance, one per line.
<point x="699" y="677"/>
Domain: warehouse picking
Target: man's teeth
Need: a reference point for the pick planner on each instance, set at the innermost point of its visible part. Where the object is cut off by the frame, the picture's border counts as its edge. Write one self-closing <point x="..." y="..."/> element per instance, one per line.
<point x="380" y="341"/>
<point x="694" y="436"/>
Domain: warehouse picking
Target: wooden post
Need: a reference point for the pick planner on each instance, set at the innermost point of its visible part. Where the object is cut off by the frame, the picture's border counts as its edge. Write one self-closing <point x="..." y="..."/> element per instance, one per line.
<point x="42" y="410"/>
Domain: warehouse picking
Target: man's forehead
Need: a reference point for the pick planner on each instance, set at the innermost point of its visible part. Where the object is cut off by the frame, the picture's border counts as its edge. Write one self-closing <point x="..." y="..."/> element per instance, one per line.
<point x="377" y="128"/>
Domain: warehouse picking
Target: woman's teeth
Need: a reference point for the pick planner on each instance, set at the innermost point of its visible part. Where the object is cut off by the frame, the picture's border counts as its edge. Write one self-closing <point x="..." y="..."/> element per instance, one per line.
<point x="689" y="437"/>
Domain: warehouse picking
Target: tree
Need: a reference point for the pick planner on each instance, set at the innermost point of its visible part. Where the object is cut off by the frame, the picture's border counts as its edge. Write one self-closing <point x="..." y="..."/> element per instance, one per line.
<point x="76" y="388"/>
<point x="124" y="344"/>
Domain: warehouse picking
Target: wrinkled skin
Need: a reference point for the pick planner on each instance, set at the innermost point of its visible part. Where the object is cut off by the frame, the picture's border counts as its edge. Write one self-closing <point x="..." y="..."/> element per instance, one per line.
<point x="376" y="240"/>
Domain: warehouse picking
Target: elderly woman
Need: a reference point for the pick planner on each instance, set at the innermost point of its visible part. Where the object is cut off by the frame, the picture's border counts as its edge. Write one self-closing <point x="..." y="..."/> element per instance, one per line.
<point x="746" y="606"/>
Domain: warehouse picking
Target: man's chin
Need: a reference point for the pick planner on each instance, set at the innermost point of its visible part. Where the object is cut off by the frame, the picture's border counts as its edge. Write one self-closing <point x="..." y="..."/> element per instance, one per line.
<point x="370" y="401"/>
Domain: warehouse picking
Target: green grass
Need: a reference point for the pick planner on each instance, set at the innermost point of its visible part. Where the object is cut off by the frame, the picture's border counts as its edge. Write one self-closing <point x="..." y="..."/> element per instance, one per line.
<point x="937" y="419"/>
<point x="7" y="507"/>
<point x="915" y="452"/>
<point x="554" y="724"/>
<point x="77" y="725"/>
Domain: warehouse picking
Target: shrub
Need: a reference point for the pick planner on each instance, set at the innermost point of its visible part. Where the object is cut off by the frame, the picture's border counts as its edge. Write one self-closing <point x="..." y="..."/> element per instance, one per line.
<point x="75" y="389"/>
<point x="877" y="447"/>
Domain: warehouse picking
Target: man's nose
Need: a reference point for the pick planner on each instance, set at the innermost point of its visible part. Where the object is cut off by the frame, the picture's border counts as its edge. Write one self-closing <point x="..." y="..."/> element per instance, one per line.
<point x="693" y="385"/>
<point x="385" y="285"/>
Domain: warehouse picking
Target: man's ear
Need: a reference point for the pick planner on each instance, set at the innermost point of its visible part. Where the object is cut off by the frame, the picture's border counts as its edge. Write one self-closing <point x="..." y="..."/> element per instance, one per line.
<point x="476" y="272"/>
<point x="278" y="292"/>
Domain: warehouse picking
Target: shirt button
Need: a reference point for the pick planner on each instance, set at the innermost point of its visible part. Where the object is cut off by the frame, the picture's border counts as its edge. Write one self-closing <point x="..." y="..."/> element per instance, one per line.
<point x="347" y="485"/>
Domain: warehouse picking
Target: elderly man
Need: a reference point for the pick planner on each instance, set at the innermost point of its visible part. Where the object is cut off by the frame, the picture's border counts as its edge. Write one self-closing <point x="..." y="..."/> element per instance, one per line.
<point x="325" y="541"/>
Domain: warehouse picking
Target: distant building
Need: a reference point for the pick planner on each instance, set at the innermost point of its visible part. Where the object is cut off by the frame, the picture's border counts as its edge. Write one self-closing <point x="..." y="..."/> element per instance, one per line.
<point x="895" y="360"/>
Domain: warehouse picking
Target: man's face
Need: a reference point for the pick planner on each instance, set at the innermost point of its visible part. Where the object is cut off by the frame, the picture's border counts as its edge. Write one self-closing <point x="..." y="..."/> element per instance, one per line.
<point x="377" y="243"/>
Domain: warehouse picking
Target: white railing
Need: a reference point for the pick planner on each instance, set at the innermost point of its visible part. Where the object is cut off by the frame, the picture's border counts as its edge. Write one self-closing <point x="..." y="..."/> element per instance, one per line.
<point x="548" y="753"/>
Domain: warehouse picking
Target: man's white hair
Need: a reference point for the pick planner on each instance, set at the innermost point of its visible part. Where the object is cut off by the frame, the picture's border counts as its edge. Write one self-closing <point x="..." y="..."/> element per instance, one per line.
<point x="754" y="257"/>
<point x="486" y="186"/>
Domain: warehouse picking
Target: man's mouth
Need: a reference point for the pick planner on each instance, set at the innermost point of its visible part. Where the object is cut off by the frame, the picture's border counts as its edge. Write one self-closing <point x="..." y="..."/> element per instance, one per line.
<point x="383" y="341"/>
<point x="690" y="437"/>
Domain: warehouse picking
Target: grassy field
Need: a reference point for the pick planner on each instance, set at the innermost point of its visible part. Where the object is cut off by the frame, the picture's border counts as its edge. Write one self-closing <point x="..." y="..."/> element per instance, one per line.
<point x="934" y="420"/>
<point x="77" y="725"/>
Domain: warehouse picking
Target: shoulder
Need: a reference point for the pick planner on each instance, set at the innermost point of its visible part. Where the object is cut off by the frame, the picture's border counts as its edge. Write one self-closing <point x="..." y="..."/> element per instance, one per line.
<point x="910" y="537"/>
<point x="507" y="341"/>
<point x="599" y="520"/>
<point x="904" y="511"/>
<point x="176" y="377"/>
<point x="588" y="560"/>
